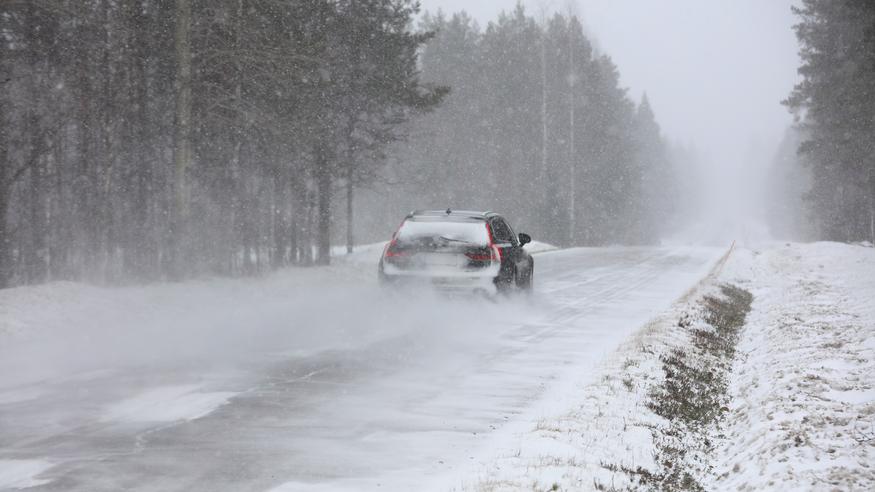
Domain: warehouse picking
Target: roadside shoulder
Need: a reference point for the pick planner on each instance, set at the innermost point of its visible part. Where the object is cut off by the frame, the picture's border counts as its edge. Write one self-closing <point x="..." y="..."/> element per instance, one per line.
<point x="622" y="431"/>
<point x="785" y="399"/>
<point x="802" y="412"/>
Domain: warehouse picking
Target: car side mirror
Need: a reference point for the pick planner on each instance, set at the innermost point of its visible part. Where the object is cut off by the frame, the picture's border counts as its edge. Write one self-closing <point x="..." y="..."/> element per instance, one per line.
<point x="525" y="239"/>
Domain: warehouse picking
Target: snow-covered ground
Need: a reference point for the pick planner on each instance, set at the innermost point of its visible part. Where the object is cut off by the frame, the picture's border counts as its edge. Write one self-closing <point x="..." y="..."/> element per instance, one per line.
<point x="307" y="378"/>
<point x="314" y="379"/>
<point x="801" y="412"/>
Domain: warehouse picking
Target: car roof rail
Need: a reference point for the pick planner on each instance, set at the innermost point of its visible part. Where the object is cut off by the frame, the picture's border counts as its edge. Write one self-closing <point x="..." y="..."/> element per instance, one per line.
<point x="449" y="212"/>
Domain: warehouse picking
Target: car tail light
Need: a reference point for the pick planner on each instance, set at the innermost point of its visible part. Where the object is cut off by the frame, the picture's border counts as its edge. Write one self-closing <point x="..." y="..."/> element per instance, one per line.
<point x="481" y="255"/>
<point x="392" y="250"/>
<point x="491" y="253"/>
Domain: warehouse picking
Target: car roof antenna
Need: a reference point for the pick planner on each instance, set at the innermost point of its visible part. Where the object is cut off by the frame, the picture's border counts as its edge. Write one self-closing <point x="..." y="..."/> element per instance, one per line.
<point x="449" y="211"/>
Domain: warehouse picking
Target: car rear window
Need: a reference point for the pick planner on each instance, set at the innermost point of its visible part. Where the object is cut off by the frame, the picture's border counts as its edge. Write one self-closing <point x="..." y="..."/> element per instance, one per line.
<point x="473" y="232"/>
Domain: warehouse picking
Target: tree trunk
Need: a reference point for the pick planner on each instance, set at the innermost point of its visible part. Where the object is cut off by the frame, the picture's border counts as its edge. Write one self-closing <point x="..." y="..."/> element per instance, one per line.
<point x="182" y="139"/>
<point x="236" y="189"/>
<point x="543" y="169"/>
<point x="5" y="243"/>
<point x="298" y="217"/>
<point x="84" y="172"/>
<point x="323" y="214"/>
<point x="280" y="217"/>
<point x="572" y="157"/>
<point x="248" y="206"/>
<point x="138" y="239"/>
<point x="108" y="154"/>
<point x="34" y="255"/>
<point x="872" y="217"/>
<point x="248" y="266"/>
<point x="548" y="203"/>
<point x="36" y="251"/>
<point x="305" y="244"/>
<point x="5" y="190"/>
<point x="57" y="213"/>
<point x="349" y="210"/>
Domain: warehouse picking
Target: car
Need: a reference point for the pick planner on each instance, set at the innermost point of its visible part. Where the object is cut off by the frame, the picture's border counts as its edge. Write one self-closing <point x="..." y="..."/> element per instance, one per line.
<point x="458" y="250"/>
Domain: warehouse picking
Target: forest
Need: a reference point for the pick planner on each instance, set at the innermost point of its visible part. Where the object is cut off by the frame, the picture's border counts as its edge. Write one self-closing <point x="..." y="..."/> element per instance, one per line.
<point x="826" y="166"/>
<point x="538" y="126"/>
<point x="143" y="140"/>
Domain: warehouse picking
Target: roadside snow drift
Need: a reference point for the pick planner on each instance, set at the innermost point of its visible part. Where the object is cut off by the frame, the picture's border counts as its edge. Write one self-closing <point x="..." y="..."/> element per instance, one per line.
<point x="167" y="404"/>
<point x="802" y="414"/>
<point x="800" y="403"/>
<point x="19" y="474"/>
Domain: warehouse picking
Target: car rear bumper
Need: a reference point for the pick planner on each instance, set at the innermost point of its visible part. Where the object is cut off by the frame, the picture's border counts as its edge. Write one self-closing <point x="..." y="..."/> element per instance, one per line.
<point x="451" y="283"/>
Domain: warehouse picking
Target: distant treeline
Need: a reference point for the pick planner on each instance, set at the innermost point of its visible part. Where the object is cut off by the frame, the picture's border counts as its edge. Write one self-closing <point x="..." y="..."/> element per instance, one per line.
<point x="836" y="105"/>
<point x="151" y="139"/>
<point x="538" y="127"/>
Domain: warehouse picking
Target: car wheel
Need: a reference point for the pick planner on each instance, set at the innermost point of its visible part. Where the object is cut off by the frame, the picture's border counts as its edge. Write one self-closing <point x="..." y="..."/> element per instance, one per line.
<point x="504" y="284"/>
<point x="526" y="284"/>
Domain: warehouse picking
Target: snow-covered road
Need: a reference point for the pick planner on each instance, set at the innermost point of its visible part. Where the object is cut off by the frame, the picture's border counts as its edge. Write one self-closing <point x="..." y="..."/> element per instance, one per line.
<point x="307" y="379"/>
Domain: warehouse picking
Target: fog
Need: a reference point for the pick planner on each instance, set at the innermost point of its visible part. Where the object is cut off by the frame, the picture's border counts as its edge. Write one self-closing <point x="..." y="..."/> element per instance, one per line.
<point x="715" y="73"/>
<point x="179" y="334"/>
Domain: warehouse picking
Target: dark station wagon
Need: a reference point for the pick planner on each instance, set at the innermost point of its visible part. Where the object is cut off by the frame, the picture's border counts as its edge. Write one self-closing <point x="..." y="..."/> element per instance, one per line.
<point x="458" y="250"/>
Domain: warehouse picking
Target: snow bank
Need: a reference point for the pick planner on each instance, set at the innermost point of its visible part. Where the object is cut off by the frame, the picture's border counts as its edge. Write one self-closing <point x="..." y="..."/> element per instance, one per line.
<point x="536" y="247"/>
<point x="21" y="474"/>
<point x="167" y="404"/>
<point x="802" y="390"/>
<point x="803" y="408"/>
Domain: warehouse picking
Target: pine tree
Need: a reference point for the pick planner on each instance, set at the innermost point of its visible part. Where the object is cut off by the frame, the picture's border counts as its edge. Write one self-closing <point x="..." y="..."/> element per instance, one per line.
<point x="836" y="101"/>
<point x="652" y="204"/>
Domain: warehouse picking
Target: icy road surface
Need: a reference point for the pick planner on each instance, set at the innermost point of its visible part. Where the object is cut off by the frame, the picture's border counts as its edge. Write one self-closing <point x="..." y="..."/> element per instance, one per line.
<point x="304" y="380"/>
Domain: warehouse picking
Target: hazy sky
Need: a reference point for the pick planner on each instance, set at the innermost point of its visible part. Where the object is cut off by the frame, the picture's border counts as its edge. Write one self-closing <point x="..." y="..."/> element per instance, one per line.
<point x="714" y="70"/>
